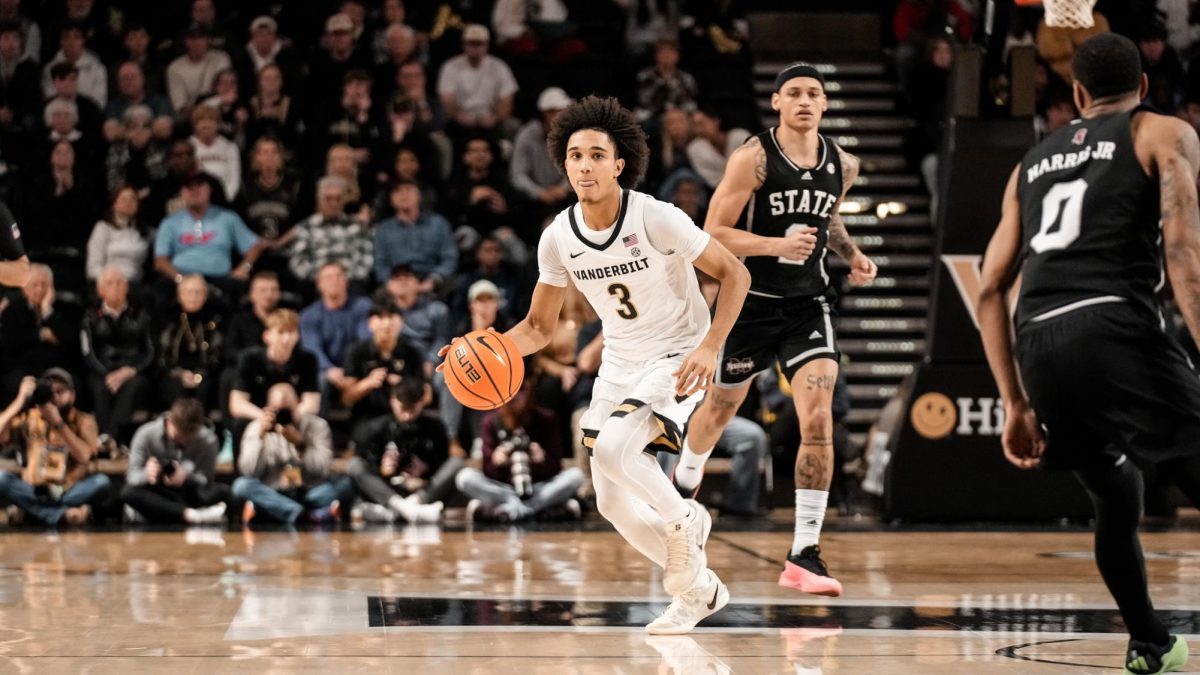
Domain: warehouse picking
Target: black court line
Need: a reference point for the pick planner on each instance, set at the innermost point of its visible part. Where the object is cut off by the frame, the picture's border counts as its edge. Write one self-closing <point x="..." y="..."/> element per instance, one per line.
<point x="1011" y="652"/>
<point x="398" y="611"/>
<point x="738" y="547"/>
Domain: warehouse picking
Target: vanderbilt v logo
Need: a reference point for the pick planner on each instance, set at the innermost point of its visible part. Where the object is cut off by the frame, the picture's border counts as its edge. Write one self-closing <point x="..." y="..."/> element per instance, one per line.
<point x="968" y="279"/>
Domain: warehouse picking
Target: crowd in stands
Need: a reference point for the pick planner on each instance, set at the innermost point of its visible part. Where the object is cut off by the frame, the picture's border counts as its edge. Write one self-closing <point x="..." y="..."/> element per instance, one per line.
<point x="926" y="33"/>
<point x="255" y="223"/>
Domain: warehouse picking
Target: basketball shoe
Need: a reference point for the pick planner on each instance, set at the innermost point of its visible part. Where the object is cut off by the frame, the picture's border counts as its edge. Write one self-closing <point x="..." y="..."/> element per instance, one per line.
<point x="1145" y="658"/>
<point x="686" y="559"/>
<point x="688" y="609"/>
<point x="807" y="572"/>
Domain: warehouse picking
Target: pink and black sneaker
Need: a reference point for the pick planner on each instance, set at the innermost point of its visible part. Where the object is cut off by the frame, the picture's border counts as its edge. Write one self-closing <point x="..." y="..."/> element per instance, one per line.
<point x="807" y="572"/>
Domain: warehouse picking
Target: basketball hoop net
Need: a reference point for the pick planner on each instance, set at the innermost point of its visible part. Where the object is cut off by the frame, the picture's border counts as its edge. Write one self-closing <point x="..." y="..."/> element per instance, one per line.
<point x="1069" y="13"/>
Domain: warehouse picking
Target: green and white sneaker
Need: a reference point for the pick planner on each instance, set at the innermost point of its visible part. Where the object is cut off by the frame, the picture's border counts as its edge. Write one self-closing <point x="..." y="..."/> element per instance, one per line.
<point x="1145" y="658"/>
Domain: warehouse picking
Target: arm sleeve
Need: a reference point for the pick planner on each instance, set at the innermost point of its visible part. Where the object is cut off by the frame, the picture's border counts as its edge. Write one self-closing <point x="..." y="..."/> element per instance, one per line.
<point x="10" y="235"/>
<point x="308" y="374"/>
<point x="672" y="231"/>
<point x="442" y="329"/>
<point x="176" y="88"/>
<point x="383" y="261"/>
<point x="447" y="262"/>
<point x="520" y="167"/>
<point x="202" y="453"/>
<point x="250" y="450"/>
<point x="310" y="338"/>
<point x="148" y="354"/>
<point x="508" y="83"/>
<point x="318" y="448"/>
<point x="243" y="236"/>
<point x="97" y="247"/>
<point x="139" y="452"/>
<point x="550" y="266"/>
<point x="162" y="240"/>
<point x="299" y="261"/>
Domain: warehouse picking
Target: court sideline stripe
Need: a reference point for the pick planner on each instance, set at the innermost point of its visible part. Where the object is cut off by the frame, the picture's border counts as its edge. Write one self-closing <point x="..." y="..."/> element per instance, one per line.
<point x="748" y="551"/>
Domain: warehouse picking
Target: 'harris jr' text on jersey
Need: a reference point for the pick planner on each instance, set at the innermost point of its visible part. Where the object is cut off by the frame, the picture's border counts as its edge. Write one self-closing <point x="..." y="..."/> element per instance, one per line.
<point x="792" y="197"/>
<point x="637" y="274"/>
<point x="1090" y="221"/>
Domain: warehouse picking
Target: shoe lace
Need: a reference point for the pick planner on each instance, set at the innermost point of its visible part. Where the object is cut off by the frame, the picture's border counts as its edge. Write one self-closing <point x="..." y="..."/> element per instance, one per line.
<point x="678" y="547"/>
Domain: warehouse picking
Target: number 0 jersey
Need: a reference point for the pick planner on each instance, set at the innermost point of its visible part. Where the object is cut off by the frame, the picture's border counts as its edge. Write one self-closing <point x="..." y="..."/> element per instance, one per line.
<point x="637" y="274"/>
<point x="1090" y="221"/>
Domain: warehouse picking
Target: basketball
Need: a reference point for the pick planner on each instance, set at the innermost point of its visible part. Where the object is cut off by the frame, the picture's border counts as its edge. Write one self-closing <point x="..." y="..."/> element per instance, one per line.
<point x="484" y="370"/>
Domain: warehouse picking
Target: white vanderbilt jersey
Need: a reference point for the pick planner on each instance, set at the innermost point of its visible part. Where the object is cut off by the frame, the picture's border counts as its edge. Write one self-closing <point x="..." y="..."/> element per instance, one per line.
<point x="637" y="275"/>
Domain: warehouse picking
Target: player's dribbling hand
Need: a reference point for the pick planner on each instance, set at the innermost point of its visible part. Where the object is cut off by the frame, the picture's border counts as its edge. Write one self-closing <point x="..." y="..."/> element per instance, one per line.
<point x="1023" y="439"/>
<point x="696" y="371"/>
<point x="446" y="350"/>
<point x="862" y="270"/>
<point x="798" y="244"/>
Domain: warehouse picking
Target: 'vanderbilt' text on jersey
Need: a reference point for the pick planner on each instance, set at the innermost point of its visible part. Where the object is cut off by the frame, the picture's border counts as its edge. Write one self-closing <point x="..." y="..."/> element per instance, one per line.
<point x="1090" y="221"/>
<point x="637" y="275"/>
<point x="792" y="197"/>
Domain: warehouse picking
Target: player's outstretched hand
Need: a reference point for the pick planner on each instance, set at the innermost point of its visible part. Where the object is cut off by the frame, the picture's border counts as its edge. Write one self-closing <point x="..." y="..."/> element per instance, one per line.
<point x="1023" y="439"/>
<point x="862" y="270"/>
<point x="798" y="244"/>
<point x="696" y="371"/>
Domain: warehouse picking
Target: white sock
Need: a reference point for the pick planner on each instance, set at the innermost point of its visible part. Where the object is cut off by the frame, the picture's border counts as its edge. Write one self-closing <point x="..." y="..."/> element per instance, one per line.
<point x="810" y="514"/>
<point x="691" y="466"/>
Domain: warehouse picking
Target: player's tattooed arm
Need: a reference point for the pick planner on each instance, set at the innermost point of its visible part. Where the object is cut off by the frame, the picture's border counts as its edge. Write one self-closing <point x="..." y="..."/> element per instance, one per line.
<point x="760" y="161"/>
<point x="839" y="240"/>
<point x="1177" y="158"/>
<point x="862" y="268"/>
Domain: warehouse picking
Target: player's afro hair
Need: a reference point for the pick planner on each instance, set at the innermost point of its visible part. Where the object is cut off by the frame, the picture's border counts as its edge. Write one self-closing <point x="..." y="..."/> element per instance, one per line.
<point x="1107" y="65"/>
<point x="605" y="115"/>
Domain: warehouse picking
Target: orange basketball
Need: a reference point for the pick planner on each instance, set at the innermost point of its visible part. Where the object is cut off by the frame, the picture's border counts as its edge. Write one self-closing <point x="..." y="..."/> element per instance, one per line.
<point x="483" y="370"/>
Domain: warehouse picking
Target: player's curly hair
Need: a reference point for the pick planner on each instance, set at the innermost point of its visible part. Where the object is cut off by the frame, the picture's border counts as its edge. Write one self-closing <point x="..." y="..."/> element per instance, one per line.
<point x="606" y="115"/>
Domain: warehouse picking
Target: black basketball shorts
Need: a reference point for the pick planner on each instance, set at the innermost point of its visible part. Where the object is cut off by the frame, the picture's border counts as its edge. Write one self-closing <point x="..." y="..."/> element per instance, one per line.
<point x="1106" y="381"/>
<point x="792" y="331"/>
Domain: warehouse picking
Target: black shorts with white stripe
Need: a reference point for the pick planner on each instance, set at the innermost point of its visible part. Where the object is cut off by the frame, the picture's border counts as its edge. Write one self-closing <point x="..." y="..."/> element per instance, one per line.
<point x="792" y="331"/>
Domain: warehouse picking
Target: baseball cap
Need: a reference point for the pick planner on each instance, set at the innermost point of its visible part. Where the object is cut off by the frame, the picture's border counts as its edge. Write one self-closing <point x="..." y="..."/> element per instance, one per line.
<point x="339" y="22"/>
<point x="476" y="33"/>
<point x="61" y="375"/>
<point x="553" y="98"/>
<point x="264" y="22"/>
<point x="482" y="287"/>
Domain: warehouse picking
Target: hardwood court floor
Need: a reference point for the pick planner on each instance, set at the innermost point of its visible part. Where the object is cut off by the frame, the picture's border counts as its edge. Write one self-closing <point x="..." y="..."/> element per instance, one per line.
<point x="434" y="600"/>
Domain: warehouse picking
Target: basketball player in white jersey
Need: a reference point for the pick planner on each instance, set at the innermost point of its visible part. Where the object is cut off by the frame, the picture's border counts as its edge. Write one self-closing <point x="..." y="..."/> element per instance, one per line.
<point x="632" y="257"/>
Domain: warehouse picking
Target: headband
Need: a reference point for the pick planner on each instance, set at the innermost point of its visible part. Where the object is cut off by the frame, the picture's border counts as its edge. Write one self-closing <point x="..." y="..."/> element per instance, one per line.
<point x="798" y="69"/>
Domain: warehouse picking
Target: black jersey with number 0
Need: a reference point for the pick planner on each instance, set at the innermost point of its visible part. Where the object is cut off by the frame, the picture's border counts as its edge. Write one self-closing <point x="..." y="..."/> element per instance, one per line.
<point x="10" y="235"/>
<point x="792" y="197"/>
<point x="1089" y="220"/>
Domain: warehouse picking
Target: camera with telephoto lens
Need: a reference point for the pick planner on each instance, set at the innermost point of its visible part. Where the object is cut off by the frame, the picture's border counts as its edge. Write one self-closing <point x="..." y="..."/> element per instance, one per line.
<point x="283" y="417"/>
<point x="42" y="394"/>
<point x="516" y="445"/>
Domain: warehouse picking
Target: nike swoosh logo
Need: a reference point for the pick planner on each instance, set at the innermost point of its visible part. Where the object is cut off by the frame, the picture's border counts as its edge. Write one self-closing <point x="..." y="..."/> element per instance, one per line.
<point x="482" y="339"/>
<point x="576" y="255"/>
<point x="716" y="592"/>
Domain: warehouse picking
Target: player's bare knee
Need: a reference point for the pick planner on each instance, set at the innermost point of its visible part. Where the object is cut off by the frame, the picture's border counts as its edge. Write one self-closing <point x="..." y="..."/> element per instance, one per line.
<point x="817" y="424"/>
<point x="722" y="407"/>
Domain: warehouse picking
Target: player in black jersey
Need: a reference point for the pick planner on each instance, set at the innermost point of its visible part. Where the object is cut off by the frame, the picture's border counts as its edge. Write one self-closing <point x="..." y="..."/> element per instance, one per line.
<point x="14" y="264"/>
<point x="777" y="206"/>
<point x="1101" y="388"/>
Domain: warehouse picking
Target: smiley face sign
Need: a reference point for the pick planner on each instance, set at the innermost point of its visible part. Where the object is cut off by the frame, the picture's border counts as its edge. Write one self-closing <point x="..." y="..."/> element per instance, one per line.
<point x="933" y="415"/>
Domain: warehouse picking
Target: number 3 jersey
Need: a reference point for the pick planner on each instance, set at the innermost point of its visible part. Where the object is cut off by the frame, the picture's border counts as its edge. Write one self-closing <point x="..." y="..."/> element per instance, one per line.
<point x="1090" y="221"/>
<point x="637" y="275"/>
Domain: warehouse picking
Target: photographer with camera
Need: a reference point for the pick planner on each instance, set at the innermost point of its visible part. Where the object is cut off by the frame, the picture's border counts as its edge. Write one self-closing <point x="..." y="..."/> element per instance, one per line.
<point x="522" y="465"/>
<point x="403" y="466"/>
<point x="285" y="461"/>
<point x="56" y="442"/>
<point x="172" y="462"/>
